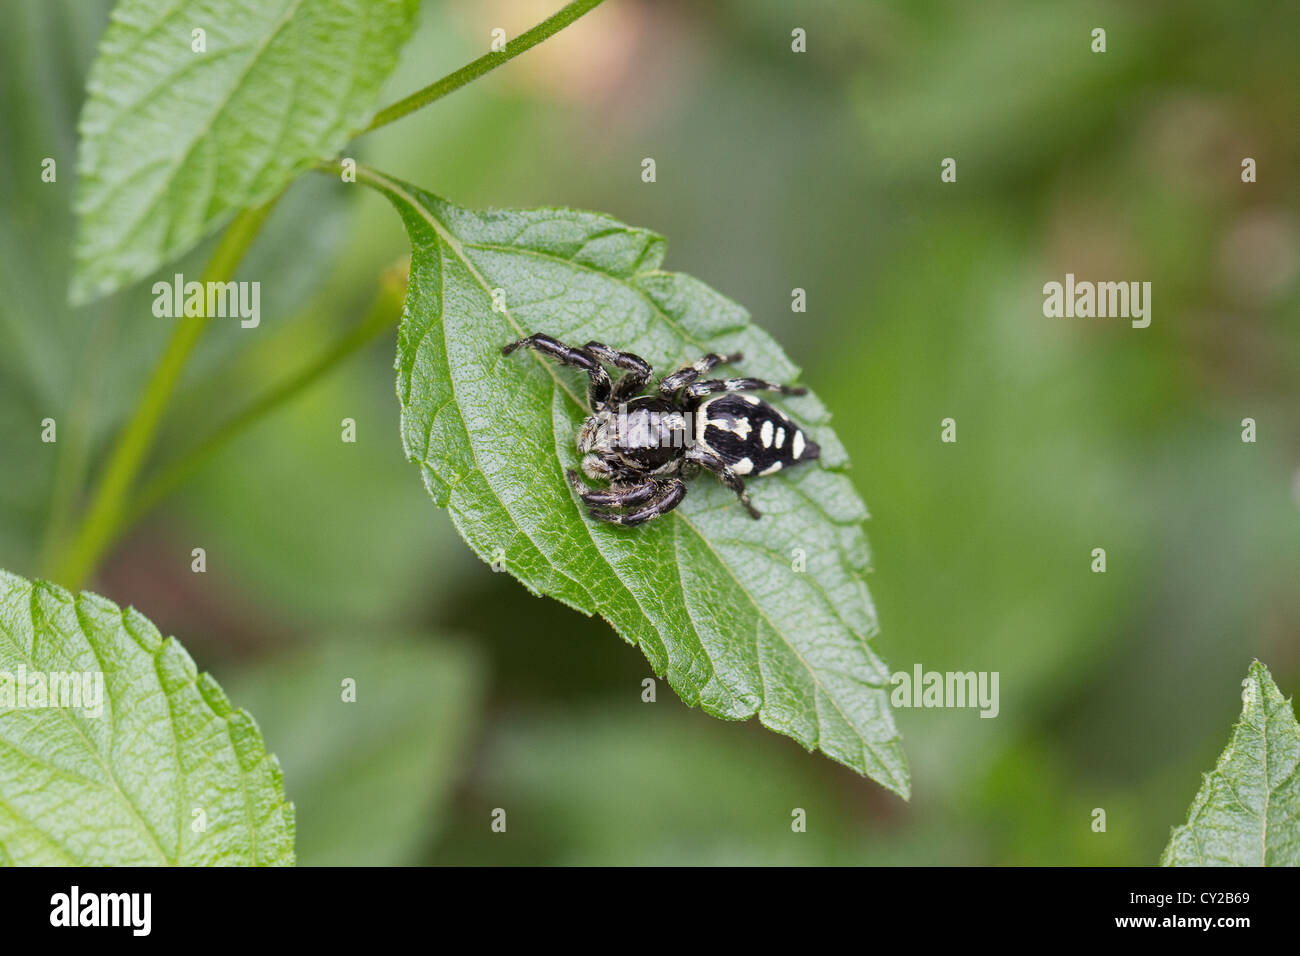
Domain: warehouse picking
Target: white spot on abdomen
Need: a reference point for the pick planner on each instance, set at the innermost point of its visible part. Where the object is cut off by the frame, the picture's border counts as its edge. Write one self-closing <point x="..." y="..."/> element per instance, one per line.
<point x="765" y="433"/>
<point x="797" y="445"/>
<point x="739" y="427"/>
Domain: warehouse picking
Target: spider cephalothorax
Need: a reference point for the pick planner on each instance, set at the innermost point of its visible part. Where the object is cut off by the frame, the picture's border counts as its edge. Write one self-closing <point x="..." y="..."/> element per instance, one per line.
<point x="645" y="445"/>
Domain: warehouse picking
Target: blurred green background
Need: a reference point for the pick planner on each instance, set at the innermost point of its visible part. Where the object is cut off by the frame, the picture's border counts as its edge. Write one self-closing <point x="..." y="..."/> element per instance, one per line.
<point x="776" y="170"/>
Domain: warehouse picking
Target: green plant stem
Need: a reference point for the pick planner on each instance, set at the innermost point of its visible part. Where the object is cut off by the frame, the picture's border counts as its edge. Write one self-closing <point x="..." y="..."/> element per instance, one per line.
<point x="102" y="517"/>
<point x="487" y="62"/>
<point x="74" y="457"/>
<point x="383" y="315"/>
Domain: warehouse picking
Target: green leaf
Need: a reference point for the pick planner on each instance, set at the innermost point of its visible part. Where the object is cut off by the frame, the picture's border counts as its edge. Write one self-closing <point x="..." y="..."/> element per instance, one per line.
<point x="709" y="595"/>
<point x="174" y="142"/>
<point x="396" y="747"/>
<point x="1247" y="812"/>
<point x="167" y="772"/>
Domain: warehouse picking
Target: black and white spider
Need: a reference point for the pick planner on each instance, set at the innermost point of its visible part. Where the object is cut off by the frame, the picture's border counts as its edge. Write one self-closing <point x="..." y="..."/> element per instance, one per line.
<point x="645" y="445"/>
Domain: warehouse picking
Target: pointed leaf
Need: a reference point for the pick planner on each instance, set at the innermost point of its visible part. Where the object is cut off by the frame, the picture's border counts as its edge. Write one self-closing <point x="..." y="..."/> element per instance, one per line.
<point x="157" y="769"/>
<point x="718" y="602"/>
<point x="1247" y="812"/>
<point x="174" y="141"/>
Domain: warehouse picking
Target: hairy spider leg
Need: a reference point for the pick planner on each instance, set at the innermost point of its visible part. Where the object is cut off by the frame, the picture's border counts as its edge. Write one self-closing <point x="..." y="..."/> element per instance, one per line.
<point x="670" y="384"/>
<point x="670" y="495"/>
<point x="636" y="368"/>
<point x="711" y="462"/>
<point x="712" y="386"/>
<point x="598" y="391"/>
<point x="618" y="497"/>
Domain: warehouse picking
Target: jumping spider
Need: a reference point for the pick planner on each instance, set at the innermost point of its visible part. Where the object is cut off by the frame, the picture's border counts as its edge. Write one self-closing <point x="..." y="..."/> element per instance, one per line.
<point x="645" y="445"/>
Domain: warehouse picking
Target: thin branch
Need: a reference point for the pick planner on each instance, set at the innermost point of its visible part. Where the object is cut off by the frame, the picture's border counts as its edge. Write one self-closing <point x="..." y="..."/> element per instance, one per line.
<point x="102" y="518"/>
<point x="484" y="64"/>
<point x="383" y="315"/>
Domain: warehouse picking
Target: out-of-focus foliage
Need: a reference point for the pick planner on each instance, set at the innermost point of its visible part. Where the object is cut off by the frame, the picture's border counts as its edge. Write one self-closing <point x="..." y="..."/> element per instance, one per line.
<point x="776" y="170"/>
<point x="375" y="733"/>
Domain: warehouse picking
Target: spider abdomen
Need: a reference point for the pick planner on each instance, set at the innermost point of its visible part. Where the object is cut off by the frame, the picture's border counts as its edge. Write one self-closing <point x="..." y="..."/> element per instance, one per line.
<point x="750" y="435"/>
